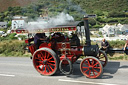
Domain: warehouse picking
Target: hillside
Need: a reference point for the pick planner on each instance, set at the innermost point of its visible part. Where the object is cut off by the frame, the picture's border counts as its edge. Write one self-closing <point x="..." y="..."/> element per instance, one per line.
<point x="89" y="5"/>
<point x="4" y="4"/>
<point x="103" y="5"/>
<point x="107" y="11"/>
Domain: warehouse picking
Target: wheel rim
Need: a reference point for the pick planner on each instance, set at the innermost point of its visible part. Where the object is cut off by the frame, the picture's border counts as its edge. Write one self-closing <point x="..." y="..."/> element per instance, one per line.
<point x="91" y="68"/>
<point x="103" y="58"/>
<point x="44" y="62"/>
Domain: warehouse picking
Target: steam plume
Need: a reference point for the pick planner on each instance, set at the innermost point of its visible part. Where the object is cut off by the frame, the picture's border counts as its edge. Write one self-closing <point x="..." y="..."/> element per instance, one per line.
<point x="60" y="19"/>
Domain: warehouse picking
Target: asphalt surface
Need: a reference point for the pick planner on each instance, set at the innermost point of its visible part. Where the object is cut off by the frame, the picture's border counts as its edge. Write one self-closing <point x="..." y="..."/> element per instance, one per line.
<point x="20" y="71"/>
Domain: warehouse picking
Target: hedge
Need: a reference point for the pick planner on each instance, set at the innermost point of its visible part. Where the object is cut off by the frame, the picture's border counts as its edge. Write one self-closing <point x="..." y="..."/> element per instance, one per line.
<point x="17" y="48"/>
<point x="12" y="48"/>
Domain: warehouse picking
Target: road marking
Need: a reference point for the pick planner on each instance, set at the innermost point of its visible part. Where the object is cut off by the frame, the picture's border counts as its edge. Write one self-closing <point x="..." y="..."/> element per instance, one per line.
<point x="84" y="82"/>
<point x="15" y="64"/>
<point x="7" y="75"/>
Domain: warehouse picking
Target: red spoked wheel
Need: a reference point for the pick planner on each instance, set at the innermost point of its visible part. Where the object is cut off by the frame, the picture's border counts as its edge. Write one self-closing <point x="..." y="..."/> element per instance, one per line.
<point x="102" y="57"/>
<point x="91" y="67"/>
<point x="45" y="61"/>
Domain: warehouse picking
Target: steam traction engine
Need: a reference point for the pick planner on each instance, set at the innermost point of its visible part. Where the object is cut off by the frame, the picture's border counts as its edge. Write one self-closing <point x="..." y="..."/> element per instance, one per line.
<point x="58" y="53"/>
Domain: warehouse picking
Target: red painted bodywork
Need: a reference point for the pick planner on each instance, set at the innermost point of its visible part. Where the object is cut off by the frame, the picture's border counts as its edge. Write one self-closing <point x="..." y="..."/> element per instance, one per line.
<point x="62" y="46"/>
<point x="32" y="48"/>
<point x="63" y="49"/>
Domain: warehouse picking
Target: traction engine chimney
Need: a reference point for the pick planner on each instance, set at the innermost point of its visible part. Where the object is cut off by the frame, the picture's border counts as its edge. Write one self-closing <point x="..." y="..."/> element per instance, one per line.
<point x="87" y="31"/>
<point x="89" y="50"/>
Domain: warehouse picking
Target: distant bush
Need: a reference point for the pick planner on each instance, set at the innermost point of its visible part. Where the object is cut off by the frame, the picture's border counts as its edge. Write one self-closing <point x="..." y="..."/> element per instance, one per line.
<point x="9" y="37"/>
<point x="113" y="44"/>
<point x="23" y="37"/>
<point x="92" y="21"/>
<point x="116" y="14"/>
<point x="117" y="44"/>
<point x="12" y="48"/>
<point x="97" y="26"/>
<point x="12" y="36"/>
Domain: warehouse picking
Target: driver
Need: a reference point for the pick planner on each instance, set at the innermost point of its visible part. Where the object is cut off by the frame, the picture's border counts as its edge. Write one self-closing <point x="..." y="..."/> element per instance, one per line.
<point x="75" y="39"/>
<point x="38" y="39"/>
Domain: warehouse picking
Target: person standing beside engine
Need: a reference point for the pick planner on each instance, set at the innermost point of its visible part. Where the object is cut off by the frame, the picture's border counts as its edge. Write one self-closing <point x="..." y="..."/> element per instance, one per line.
<point x="126" y="47"/>
<point x="104" y="45"/>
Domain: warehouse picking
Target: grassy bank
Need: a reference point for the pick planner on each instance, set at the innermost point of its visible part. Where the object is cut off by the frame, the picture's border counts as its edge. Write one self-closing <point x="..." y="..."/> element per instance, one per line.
<point x="12" y="48"/>
<point x="117" y="56"/>
<point x="16" y="48"/>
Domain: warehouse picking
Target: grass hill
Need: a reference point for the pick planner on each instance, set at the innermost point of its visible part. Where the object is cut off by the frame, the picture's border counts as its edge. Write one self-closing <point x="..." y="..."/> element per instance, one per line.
<point x="103" y="5"/>
<point x="88" y="5"/>
<point x="4" y="4"/>
<point x="108" y="11"/>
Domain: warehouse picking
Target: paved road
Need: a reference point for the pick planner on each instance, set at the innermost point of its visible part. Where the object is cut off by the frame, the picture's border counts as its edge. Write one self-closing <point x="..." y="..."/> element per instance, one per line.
<point x="20" y="71"/>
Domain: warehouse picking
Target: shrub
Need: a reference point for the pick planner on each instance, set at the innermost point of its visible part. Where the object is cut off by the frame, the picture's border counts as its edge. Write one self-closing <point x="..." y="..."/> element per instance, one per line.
<point x="23" y="37"/>
<point x="117" y="44"/>
<point x="9" y="37"/>
<point x="12" y="48"/>
<point x="12" y="36"/>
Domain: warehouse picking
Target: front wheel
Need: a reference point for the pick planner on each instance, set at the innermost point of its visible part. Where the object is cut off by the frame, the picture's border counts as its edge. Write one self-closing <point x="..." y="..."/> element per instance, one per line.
<point x="45" y="61"/>
<point x="91" y="67"/>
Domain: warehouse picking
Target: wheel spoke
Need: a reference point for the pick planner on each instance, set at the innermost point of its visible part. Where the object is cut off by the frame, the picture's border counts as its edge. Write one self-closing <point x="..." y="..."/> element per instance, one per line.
<point x="51" y="68"/>
<point x="41" y="55"/>
<point x="95" y="64"/>
<point x="42" y="67"/>
<point x="95" y="71"/>
<point x="38" y="66"/>
<point x="52" y="61"/>
<point x="86" y="67"/>
<point x="88" y="62"/>
<point x="37" y="58"/>
<point x="51" y="64"/>
<point x="50" y="58"/>
<point x="89" y="73"/>
<point x="42" y="58"/>
<point x="45" y="55"/>
<point x="45" y="69"/>
<point x="40" y="62"/>
<point x="92" y="62"/>
<point x="48" y="68"/>
<point x="97" y="67"/>
<point x="86" y="70"/>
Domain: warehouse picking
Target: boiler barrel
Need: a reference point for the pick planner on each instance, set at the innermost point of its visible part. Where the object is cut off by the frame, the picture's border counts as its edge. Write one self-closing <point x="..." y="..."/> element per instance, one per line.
<point x="92" y="50"/>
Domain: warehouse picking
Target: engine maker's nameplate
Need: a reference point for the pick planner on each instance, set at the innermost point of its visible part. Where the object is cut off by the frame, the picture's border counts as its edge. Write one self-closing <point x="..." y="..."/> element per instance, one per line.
<point x="58" y="29"/>
<point x="62" y="29"/>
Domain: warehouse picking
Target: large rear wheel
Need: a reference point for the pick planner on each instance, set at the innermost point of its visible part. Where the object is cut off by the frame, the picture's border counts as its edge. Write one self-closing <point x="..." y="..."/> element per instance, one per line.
<point x="45" y="61"/>
<point x="91" y="67"/>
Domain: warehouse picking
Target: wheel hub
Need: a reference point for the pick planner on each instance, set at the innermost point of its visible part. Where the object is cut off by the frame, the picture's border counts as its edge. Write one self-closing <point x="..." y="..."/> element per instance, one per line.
<point x="90" y="67"/>
<point x="45" y="62"/>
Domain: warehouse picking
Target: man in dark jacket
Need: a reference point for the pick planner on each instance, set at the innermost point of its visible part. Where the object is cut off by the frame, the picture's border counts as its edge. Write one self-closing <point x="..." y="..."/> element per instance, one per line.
<point x="39" y="38"/>
<point x="75" y="39"/>
<point x="104" y="45"/>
